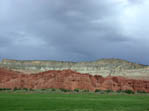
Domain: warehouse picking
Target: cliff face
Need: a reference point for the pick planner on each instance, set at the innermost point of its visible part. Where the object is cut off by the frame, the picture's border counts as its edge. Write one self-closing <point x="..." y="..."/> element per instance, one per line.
<point x="104" y="67"/>
<point x="68" y="79"/>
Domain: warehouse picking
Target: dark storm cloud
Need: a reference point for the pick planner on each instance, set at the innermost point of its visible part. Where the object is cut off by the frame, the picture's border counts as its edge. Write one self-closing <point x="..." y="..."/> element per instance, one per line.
<point x="74" y="30"/>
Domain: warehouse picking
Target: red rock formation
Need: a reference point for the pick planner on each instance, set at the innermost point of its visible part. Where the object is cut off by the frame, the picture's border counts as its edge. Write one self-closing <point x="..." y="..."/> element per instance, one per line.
<point x="68" y="79"/>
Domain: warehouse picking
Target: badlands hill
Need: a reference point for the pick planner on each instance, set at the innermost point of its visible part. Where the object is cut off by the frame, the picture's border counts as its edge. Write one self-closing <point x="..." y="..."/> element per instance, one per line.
<point x="104" y="67"/>
<point x="68" y="79"/>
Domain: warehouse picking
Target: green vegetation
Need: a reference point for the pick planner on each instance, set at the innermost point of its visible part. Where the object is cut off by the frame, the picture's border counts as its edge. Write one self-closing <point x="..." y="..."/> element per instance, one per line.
<point x="65" y="90"/>
<point x="53" y="89"/>
<point x="5" y="89"/>
<point x="97" y="90"/>
<point x="128" y="91"/>
<point x="85" y="90"/>
<point x="108" y="91"/>
<point x="76" y="90"/>
<point x="143" y="92"/>
<point x="33" y="101"/>
<point x="70" y="91"/>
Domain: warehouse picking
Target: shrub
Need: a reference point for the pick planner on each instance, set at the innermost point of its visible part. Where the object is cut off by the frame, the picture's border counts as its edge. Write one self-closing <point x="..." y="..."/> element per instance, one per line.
<point x="2" y="89"/>
<point x="65" y="90"/>
<point x="108" y="91"/>
<point x="25" y="89"/>
<point x="119" y="91"/>
<point x="53" y="89"/>
<point x="76" y="90"/>
<point x="14" y="89"/>
<point x="86" y="90"/>
<point x="97" y="90"/>
<point x="129" y="91"/>
<point x="102" y="92"/>
<point x="31" y="89"/>
<point x="141" y="92"/>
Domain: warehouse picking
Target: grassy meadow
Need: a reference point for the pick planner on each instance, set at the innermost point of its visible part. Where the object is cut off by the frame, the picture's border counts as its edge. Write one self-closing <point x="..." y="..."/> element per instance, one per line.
<point x="35" y="101"/>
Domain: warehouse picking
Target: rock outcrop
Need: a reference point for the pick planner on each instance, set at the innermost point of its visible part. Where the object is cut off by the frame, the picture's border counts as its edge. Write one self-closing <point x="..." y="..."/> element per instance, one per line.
<point x="69" y="79"/>
<point x="104" y="67"/>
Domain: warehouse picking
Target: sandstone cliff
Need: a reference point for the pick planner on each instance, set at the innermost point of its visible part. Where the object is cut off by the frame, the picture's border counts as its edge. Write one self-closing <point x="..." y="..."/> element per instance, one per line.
<point x="104" y="67"/>
<point x="68" y="79"/>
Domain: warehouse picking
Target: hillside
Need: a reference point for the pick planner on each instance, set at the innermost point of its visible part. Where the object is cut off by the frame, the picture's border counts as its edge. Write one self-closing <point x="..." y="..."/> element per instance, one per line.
<point x="68" y="79"/>
<point x="104" y="67"/>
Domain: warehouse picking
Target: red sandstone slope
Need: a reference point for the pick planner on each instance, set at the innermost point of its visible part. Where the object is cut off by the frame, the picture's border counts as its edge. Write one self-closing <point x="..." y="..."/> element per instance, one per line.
<point x="69" y="80"/>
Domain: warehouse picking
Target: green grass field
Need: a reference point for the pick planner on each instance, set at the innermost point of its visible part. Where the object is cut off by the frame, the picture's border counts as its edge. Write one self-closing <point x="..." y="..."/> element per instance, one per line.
<point x="72" y="102"/>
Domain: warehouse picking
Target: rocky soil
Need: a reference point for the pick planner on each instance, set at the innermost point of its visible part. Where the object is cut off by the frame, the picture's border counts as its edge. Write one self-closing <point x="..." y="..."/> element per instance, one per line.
<point x="69" y="79"/>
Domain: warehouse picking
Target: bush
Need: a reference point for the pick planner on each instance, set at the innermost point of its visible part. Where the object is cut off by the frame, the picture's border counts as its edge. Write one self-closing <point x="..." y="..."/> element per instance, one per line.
<point x="25" y="89"/>
<point x="119" y="91"/>
<point x="108" y="91"/>
<point x="97" y="90"/>
<point x="129" y="91"/>
<point x="2" y="89"/>
<point x="53" y="89"/>
<point x="86" y="90"/>
<point x="65" y="90"/>
<point x="102" y="92"/>
<point x="76" y="90"/>
<point x="14" y="89"/>
<point x="31" y="89"/>
<point x="143" y="92"/>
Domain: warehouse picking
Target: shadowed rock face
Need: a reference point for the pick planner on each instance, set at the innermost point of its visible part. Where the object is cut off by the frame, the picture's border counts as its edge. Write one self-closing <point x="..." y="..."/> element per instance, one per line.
<point x="104" y="67"/>
<point x="68" y="79"/>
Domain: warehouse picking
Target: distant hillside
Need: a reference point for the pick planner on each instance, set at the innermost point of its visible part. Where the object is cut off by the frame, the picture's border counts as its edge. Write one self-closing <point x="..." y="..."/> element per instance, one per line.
<point x="102" y="67"/>
<point x="115" y="63"/>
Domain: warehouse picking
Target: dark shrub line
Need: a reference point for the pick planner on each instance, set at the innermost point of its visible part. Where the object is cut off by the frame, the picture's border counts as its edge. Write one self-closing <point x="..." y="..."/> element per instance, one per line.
<point x="125" y="91"/>
<point x="3" y="89"/>
<point x="119" y="91"/>
<point x="15" y="89"/>
<point x="65" y="90"/>
<point x="25" y="89"/>
<point x="76" y="90"/>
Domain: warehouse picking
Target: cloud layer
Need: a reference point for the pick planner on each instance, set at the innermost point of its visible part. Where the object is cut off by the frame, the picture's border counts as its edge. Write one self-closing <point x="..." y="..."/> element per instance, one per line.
<point x="74" y="30"/>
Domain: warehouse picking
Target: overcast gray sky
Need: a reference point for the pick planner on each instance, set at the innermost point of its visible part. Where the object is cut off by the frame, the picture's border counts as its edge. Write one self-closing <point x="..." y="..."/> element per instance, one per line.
<point x="74" y="30"/>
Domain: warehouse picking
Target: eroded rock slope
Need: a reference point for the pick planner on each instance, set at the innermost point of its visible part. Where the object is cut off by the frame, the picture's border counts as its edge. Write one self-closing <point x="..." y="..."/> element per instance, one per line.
<point x="104" y="67"/>
<point x="68" y="79"/>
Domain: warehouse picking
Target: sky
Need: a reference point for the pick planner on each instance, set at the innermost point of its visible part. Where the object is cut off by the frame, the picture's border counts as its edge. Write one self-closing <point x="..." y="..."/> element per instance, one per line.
<point x="74" y="30"/>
